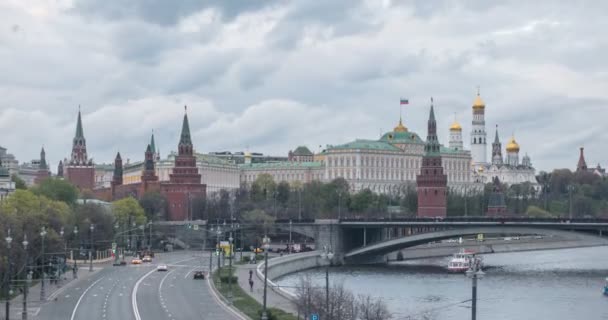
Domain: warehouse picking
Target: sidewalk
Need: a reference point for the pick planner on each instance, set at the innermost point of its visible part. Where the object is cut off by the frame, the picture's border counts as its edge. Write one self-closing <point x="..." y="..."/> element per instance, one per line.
<point x="273" y="299"/>
<point x="52" y="291"/>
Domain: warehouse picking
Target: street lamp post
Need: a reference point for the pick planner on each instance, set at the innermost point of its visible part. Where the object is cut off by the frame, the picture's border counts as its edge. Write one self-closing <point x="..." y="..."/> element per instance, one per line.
<point x="327" y="255"/>
<point x="230" y="239"/>
<point x="75" y="270"/>
<point x="26" y="284"/>
<point x="339" y="205"/>
<point x="65" y="248"/>
<point x="474" y="273"/>
<point x="8" y="239"/>
<point x="266" y="242"/>
<point x="290" y="242"/>
<point x="91" y="229"/>
<point x="570" y="190"/>
<point x="219" y="266"/>
<point x="42" y="295"/>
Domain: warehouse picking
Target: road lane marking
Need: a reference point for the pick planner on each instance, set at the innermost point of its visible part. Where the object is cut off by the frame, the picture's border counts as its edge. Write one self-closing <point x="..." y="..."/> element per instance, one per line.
<point x="221" y="303"/>
<point x="136" y="287"/>
<point x="186" y="276"/>
<point x="82" y="296"/>
<point x="134" y="295"/>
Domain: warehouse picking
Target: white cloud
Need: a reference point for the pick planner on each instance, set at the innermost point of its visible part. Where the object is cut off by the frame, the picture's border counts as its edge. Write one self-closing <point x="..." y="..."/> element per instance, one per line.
<point x="288" y="73"/>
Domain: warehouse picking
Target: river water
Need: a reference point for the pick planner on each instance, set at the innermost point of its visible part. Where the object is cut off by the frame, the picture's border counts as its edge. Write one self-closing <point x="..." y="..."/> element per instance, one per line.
<point x="557" y="284"/>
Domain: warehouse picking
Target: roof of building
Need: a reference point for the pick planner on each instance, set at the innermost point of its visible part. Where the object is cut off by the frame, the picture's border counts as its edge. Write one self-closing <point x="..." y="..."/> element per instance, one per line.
<point x="512" y="146"/>
<point x="281" y="165"/>
<point x="401" y="137"/>
<point x="478" y="103"/>
<point x="400" y="127"/>
<point x="367" y="144"/>
<point x="79" y="131"/>
<point x="185" y="138"/>
<point x="302" y="151"/>
<point x="456" y="126"/>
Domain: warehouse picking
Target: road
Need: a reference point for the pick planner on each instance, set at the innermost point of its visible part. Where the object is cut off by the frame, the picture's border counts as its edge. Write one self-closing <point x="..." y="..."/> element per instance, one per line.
<point x="139" y="292"/>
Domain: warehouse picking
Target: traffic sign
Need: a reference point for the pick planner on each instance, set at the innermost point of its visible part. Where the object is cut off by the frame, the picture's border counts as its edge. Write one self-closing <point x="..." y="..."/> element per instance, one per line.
<point x="314" y="316"/>
<point x="196" y="227"/>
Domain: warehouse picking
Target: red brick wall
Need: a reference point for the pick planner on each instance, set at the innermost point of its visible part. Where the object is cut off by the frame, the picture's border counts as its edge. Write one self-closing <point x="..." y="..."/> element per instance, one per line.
<point x="431" y="204"/>
<point x="82" y="177"/>
<point x="177" y="198"/>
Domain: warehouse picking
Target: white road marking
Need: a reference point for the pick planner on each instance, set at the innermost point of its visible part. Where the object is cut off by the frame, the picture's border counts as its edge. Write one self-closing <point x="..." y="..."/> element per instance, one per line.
<point x="136" y="287"/>
<point x="82" y="296"/>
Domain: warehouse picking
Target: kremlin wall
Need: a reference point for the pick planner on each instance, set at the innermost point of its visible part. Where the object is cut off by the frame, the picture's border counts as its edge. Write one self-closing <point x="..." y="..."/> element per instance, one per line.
<point x="400" y="159"/>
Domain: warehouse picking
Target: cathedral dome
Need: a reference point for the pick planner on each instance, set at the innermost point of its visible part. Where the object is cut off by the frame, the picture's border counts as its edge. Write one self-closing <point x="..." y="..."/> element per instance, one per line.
<point x="455" y="126"/>
<point x="512" y="146"/>
<point x="400" y="127"/>
<point x="478" y="103"/>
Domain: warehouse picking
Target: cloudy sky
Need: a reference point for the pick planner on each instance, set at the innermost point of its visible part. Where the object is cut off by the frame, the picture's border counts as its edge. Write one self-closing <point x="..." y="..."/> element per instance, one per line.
<point x="271" y="75"/>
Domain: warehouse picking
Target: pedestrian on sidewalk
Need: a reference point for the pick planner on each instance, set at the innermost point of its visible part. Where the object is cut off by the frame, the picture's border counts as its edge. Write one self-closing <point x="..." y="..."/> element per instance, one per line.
<point x="250" y="284"/>
<point x="250" y="274"/>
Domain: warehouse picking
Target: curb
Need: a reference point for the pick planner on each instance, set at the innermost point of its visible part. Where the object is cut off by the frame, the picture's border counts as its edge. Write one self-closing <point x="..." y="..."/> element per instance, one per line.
<point x="223" y="301"/>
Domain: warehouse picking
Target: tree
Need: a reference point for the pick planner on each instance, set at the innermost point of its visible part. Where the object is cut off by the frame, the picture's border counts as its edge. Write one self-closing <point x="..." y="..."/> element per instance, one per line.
<point x="154" y="205"/>
<point x="266" y="185"/>
<point x="57" y="189"/>
<point x="128" y="210"/>
<point x="283" y="193"/>
<point x="19" y="183"/>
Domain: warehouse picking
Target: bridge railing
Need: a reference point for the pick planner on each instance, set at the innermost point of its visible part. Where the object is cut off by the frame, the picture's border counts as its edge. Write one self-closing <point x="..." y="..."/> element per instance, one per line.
<point x="482" y="219"/>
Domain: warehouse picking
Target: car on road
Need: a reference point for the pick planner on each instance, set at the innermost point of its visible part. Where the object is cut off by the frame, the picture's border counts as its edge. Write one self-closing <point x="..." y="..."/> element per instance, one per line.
<point x="199" y="275"/>
<point x="120" y="263"/>
<point x="136" y="261"/>
<point x="146" y="259"/>
<point x="161" y="267"/>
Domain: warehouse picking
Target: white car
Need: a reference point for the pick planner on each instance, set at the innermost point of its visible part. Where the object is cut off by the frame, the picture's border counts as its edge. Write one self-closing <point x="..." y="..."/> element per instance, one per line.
<point x="161" y="267"/>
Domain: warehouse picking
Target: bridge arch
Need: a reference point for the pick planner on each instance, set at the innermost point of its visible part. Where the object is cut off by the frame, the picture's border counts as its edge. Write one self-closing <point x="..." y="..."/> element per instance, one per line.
<point x="385" y="247"/>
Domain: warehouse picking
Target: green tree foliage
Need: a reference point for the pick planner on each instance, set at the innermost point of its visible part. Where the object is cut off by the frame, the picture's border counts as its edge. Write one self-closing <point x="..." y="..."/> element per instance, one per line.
<point x="19" y="183"/>
<point x="127" y="211"/>
<point x="154" y="205"/>
<point x="57" y="189"/>
<point x="283" y="191"/>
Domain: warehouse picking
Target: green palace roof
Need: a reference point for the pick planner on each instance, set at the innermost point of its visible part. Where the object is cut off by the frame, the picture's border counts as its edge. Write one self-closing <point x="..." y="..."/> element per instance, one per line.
<point x="367" y="144"/>
<point x="446" y="150"/>
<point x="302" y="151"/>
<point x="402" y="137"/>
<point x="280" y="165"/>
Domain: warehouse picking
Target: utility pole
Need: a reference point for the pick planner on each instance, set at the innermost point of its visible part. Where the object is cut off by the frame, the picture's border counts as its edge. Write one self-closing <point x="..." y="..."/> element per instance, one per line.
<point x="266" y="242"/>
<point x="91" y="229"/>
<point x="8" y="293"/>
<point x="28" y="277"/>
<point x="570" y="190"/>
<point x="474" y="273"/>
<point x="42" y="294"/>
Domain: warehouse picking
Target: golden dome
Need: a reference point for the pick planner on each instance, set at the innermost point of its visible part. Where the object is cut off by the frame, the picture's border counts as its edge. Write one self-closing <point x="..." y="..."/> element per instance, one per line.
<point x="456" y="126"/>
<point x="247" y="154"/>
<point x="478" y="103"/>
<point x="400" y="127"/>
<point x="512" y="146"/>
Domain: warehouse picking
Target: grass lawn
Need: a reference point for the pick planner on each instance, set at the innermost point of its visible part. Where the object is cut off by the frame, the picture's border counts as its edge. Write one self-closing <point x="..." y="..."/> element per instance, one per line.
<point x="245" y="303"/>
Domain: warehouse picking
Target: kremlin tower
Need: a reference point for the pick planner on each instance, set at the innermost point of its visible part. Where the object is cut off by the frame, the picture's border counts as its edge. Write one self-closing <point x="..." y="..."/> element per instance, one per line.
<point x="478" y="132"/>
<point x="432" y="182"/>
<point x="43" y="168"/>
<point x="79" y="169"/>
<point x="497" y="150"/>
<point x="582" y="164"/>
<point x="185" y="181"/>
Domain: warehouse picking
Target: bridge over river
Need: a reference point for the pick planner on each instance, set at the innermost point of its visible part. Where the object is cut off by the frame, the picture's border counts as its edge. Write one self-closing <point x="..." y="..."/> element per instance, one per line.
<point x="369" y="240"/>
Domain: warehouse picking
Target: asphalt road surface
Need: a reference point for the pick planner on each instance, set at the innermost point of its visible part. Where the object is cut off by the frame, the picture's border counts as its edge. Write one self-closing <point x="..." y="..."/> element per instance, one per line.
<point x="139" y="292"/>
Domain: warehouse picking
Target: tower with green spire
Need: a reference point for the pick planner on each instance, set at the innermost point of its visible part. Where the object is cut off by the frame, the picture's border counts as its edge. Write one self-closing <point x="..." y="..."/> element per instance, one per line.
<point x="118" y="171"/>
<point x="43" y="168"/>
<point x="79" y="169"/>
<point x="432" y="182"/>
<point x="496" y="150"/>
<point x="155" y="151"/>
<point x="79" y="145"/>
<point x="185" y="181"/>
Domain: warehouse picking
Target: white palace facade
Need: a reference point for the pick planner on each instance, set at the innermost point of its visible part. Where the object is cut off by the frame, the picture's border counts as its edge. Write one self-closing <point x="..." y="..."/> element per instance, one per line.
<point x="386" y="165"/>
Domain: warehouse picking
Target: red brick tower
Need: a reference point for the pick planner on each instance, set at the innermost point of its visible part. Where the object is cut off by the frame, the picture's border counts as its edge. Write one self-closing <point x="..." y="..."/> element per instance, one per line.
<point x="431" y="182"/>
<point x="149" y="174"/>
<point x="117" y="177"/>
<point x="43" y="168"/>
<point x="185" y="181"/>
<point x="582" y="164"/>
<point x="79" y="170"/>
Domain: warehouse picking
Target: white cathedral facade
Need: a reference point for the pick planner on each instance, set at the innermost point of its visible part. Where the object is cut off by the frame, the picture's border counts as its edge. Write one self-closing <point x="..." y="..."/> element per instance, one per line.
<point x="509" y="170"/>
